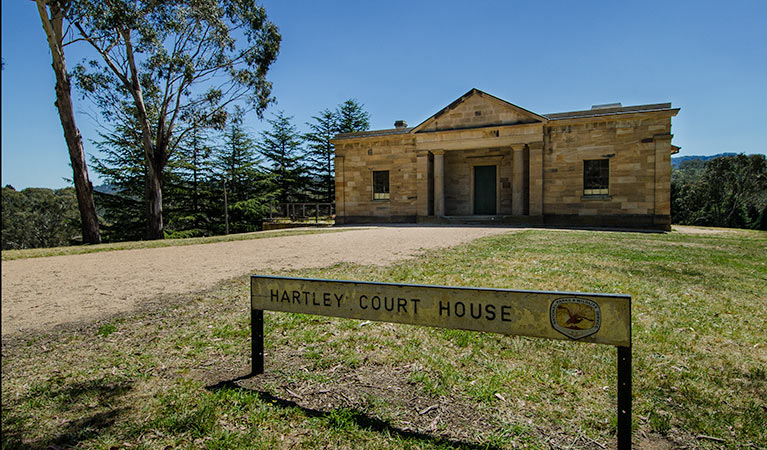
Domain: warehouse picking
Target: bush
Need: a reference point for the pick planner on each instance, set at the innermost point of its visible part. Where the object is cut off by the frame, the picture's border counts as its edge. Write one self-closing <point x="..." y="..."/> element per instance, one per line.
<point x="729" y="191"/>
<point x="39" y="217"/>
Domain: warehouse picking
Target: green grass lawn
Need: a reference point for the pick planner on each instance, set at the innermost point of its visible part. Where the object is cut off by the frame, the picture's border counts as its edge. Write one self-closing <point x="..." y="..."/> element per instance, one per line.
<point x="176" y="377"/>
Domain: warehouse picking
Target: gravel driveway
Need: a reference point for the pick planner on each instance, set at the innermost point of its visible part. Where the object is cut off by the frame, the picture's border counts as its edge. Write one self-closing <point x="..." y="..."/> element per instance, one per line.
<point x="39" y="293"/>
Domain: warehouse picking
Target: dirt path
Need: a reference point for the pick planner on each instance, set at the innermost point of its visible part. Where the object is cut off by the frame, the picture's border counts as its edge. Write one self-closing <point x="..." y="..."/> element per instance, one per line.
<point x="39" y="293"/>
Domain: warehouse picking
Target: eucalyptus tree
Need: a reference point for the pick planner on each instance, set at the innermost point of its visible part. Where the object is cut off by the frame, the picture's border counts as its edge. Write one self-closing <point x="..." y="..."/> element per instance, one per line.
<point x="171" y="57"/>
<point x="53" y="17"/>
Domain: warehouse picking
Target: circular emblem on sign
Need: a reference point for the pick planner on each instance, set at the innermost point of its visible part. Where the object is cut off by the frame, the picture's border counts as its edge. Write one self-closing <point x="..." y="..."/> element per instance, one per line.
<point x="575" y="317"/>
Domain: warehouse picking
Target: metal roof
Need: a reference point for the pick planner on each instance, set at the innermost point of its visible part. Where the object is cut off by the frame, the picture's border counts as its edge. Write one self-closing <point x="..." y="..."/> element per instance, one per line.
<point x="373" y="133"/>
<point x="608" y="111"/>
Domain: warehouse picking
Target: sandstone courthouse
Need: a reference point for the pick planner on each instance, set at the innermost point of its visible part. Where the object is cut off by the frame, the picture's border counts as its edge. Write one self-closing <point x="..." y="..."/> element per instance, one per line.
<point x="482" y="159"/>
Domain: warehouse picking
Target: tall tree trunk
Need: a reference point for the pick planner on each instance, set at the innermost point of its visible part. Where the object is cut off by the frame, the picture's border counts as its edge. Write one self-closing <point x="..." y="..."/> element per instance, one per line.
<point x="153" y="196"/>
<point x="83" y="188"/>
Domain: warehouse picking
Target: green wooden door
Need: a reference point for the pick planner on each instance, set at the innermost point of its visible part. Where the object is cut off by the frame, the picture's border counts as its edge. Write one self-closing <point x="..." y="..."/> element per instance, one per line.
<point x="484" y="190"/>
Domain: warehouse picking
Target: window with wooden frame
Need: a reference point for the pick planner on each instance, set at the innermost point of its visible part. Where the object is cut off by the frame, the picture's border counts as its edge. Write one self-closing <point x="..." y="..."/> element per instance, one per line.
<point x="380" y="185"/>
<point x="596" y="177"/>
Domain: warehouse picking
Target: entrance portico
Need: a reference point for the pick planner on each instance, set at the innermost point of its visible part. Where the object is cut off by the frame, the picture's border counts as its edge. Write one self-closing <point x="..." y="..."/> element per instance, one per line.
<point x="461" y="186"/>
<point x="469" y="140"/>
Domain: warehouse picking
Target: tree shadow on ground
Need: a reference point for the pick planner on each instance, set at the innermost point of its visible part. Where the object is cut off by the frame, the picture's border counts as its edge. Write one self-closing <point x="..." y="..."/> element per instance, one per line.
<point x="90" y="396"/>
<point x="360" y="418"/>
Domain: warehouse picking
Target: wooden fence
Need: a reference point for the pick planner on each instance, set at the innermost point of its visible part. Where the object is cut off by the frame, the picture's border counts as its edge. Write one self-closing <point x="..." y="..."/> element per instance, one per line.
<point x="301" y="211"/>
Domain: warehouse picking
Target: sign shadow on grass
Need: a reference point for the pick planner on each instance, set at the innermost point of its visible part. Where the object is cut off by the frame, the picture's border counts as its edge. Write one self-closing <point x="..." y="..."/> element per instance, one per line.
<point x="362" y="420"/>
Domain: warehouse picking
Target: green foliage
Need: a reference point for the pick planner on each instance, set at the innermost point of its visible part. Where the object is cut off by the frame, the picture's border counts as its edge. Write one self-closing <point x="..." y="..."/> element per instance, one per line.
<point x="37" y="217"/>
<point x="235" y="161"/>
<point x="178" y="66"/>
<point x="106" y="329"/>
<point x="281" y="147"/>
<point x="193" y="179"/>
<point x="352" y="117"/>
<point x="122" y="167"/>
<point x="347" y="117"/>
<point x="191" y="194"/>
<point x="320" y="153"/>
<point x="729" y="191"/>
<point x="247" y="215"/>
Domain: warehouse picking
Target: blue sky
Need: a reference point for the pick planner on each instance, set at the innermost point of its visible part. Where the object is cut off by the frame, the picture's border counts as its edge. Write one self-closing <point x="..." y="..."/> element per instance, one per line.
<point x="408" y="59"/>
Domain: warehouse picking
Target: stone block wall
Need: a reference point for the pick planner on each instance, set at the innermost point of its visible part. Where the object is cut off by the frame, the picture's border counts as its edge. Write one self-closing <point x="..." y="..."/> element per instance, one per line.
<point x="355" y="191"/>
<point x="629" y="144"/>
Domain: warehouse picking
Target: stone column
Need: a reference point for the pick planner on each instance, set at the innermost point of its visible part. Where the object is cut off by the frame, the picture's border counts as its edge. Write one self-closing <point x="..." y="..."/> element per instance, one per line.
<point x="536" y="178"/>
<point x="422" y="184"/>
<point x="517" y="181"/>
<point x="439" y="183"/>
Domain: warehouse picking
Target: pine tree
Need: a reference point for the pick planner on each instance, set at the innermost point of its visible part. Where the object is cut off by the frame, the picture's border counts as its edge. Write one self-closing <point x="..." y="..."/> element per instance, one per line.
<point x="352" y="117"/>
<point x="281" y="146"/>
<point x="236" y="161"/>
<point x="349" y="116"/>
<point x="320" y="153"/>
<point x="192" y="211"/>
<point x="247" y="187"/>
<point x="122" y="168"/>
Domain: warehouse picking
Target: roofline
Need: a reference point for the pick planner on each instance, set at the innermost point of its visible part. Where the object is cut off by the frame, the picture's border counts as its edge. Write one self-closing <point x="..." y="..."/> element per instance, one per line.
<point x="460" y="99"/>
<point x="372" y="133"/>
<point x="654" y="107"/>
<point x="571" y="115"/>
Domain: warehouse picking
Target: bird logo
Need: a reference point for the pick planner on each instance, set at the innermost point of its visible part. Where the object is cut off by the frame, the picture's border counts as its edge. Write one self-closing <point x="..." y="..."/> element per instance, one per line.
<point x="575" y="317"/>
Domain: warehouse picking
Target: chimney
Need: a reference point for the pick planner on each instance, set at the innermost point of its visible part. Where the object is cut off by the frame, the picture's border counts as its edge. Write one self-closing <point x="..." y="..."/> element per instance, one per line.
<point x="400" y="124"/>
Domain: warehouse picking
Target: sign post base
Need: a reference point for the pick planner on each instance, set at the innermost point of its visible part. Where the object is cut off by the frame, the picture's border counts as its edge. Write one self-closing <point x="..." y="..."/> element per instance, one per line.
<point x="257" y="341"/>
<point x="624" y="398"/>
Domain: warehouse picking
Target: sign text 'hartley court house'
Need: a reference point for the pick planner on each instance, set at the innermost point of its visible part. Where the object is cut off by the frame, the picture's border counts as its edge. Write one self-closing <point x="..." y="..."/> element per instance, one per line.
<point x="484" y="159"/>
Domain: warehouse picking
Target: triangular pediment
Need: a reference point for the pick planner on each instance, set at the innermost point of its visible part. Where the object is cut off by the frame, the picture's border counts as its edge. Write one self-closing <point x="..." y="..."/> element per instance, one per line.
<point x="477" y="109"/>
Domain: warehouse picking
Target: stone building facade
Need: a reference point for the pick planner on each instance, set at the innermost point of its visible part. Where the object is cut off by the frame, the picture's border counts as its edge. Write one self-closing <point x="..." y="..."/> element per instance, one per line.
<point x="482" y="159"/>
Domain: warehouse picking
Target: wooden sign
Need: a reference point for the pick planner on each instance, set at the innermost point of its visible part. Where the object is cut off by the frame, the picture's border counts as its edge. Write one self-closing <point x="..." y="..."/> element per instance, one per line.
<point x="596" y="318"/>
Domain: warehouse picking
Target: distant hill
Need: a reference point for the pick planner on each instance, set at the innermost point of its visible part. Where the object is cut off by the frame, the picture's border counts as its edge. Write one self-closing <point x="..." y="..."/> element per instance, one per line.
<point x="106" y="189"/>
<point x="677" y="160"/>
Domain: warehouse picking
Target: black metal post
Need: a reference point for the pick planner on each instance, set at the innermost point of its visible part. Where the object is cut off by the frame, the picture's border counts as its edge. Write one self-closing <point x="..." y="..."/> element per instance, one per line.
<point x="624" y="398"/>
<point x="257" y="341"/>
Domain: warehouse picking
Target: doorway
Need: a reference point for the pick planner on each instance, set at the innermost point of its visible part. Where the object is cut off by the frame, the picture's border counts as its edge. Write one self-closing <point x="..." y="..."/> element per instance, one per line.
<point x="484" y="190"/>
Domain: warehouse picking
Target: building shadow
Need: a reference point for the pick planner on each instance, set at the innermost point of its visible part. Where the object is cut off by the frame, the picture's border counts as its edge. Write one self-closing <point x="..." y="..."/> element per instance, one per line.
<point x="361" y="419"/>
<point x="509" y="226"/>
